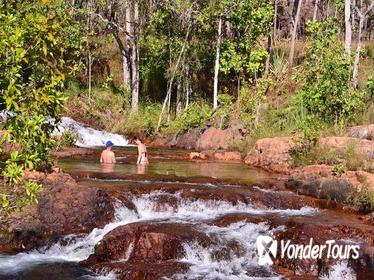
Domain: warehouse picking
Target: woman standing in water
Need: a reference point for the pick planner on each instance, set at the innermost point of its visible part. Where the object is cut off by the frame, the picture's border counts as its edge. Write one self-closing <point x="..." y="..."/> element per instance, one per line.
<point x="142" y="152"/>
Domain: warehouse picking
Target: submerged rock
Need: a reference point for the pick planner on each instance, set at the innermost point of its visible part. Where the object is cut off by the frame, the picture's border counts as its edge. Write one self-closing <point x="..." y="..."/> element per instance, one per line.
<point x="64" y="208"/>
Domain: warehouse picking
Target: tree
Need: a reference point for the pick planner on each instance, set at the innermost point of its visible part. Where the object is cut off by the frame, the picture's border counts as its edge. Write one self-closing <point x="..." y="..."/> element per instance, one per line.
<point x="348" y="27"/>
<point x="122" y="18"/>
<point x="39" y="46"/>
<point x="294" y="32"/>
<point x="362" y="16"/>
<point x="326" y="91"/>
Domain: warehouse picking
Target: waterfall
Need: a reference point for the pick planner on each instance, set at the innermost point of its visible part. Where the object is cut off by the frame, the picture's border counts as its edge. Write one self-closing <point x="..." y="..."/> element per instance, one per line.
<point x="88" y="136"/>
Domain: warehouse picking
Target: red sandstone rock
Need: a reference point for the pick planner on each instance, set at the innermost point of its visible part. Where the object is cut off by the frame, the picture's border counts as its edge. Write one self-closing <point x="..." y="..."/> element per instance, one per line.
<point x="362" y="132"/>
<point x="216" y="139"/>
<point x="228" y="156"/>
<point x="342" y="144"/>
<point x="196" y="155"/>
<point x="146" y="242"/>
<point x="189" y="139"/>
<point x="64" y="208"/>
<point x="71" y="152"/>
<point x="271" y="154"/>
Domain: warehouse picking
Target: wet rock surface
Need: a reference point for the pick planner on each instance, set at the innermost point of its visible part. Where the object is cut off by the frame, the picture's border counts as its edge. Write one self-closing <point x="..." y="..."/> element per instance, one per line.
<point x="72" y="152"/>
<point x="146" y="241"/>
<point x="64" y="208"/>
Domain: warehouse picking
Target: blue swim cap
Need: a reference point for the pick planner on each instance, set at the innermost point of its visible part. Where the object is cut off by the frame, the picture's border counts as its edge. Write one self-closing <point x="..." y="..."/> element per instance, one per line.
<point x="109" y="144"/>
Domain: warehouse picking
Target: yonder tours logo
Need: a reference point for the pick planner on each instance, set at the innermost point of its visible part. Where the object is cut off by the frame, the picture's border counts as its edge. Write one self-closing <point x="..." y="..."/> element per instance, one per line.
<point x="267" y="248"/>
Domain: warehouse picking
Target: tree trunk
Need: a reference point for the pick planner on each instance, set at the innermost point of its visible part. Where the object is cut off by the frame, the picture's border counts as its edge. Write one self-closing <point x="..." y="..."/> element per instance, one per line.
<point x="294" y="33"/>
<point x="291" y="7"/>
<point x="126" y="63"/>
<point x="348" y="27"/>
<point x="275" y="21"/>
<point x="168" y="94"/>
<point x="315" y="10"/>
<point x="358" y="53"/>
<point x="89" y="57"/>
<point x="135" y="58"/>
<point x="356" y="64"/>
<point x="216" y="67"/>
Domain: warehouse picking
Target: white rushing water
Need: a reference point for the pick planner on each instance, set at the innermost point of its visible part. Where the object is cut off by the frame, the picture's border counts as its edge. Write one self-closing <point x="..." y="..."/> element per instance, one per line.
<point x="88" y="136"/>
<point x="237" y="263"/>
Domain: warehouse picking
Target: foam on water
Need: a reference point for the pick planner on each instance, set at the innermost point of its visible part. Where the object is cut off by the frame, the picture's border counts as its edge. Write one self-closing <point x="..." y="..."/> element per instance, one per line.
<point x="88" y="136"/>
<point x="71" y="249"/>
<point x="242" y="264"/>
<point x="340" y="271"/>
<point x="187" y="209"/>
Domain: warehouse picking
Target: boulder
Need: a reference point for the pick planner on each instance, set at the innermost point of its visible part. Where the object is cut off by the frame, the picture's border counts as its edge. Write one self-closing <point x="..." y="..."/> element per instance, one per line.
<point x="146" y="242"/>
<point x="272" y="154"/>
<point x="189" y="139"/>
<point x="64" y="207"/>
<point x="164" y="140"/>
<point x="216" y="139"/>
<point x="301" y="233"/>
<point x="343" y="144"/>
<point x="362" y="132"/>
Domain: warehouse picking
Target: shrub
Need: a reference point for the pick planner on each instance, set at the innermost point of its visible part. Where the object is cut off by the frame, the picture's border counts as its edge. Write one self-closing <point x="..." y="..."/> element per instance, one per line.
<point x="195" y="115"/>
<point x="67" y="139"/>
<point x="362" y="199"/>
<point x="326" y="90"/>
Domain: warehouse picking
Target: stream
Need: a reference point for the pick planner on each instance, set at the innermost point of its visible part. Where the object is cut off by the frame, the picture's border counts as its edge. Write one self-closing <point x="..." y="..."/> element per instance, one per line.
<point x="200" y="195"/>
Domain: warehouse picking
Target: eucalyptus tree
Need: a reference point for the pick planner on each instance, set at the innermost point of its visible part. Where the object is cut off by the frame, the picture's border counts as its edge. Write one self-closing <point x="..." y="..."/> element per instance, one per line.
<point x="123" y="19"/>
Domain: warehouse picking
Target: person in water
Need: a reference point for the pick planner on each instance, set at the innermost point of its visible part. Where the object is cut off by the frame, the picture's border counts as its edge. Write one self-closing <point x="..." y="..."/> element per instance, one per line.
<point x="108" y="156"/>
<point x="142" y="152"/>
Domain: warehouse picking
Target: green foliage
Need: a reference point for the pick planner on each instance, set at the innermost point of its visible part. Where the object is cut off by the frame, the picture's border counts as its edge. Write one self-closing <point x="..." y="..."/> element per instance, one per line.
<point x="251" y="20"/>
<point x="38" y="46"/>
<point x="362" y="199"/>
<point x="67" y="139"/>
<point x="326" y="90"/>
<point x="340" y="169"/>
<point x="195" y="115"/>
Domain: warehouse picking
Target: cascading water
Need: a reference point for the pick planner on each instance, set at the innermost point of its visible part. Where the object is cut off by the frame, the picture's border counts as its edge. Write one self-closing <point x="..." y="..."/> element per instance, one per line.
<point x="88" y="136"/>
<point x="203" y="261"/>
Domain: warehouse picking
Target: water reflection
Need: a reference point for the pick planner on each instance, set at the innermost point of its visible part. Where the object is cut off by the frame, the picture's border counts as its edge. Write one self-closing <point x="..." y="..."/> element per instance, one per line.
<point x="141" y="169"/>
<point x="107" y="168"/>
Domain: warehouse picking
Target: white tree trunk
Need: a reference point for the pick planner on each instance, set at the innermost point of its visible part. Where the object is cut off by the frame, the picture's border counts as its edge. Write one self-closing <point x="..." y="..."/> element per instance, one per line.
<point x="126" y="63"/>
<point x="216" y="66"/>
<point x="275" y="21"/>
<point x="89" y="58"/>
<point x="358" y="53"/>
<point x="348" y="27"/>
<point x="356" y="64"/>
<point x="315" y="10"/>
<point x="294" y="33"/>
<point x="135" y="58"/>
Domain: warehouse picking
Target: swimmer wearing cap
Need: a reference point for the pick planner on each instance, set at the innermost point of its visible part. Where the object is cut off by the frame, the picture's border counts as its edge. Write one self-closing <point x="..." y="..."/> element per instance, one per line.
<point x="108" y="156"/>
